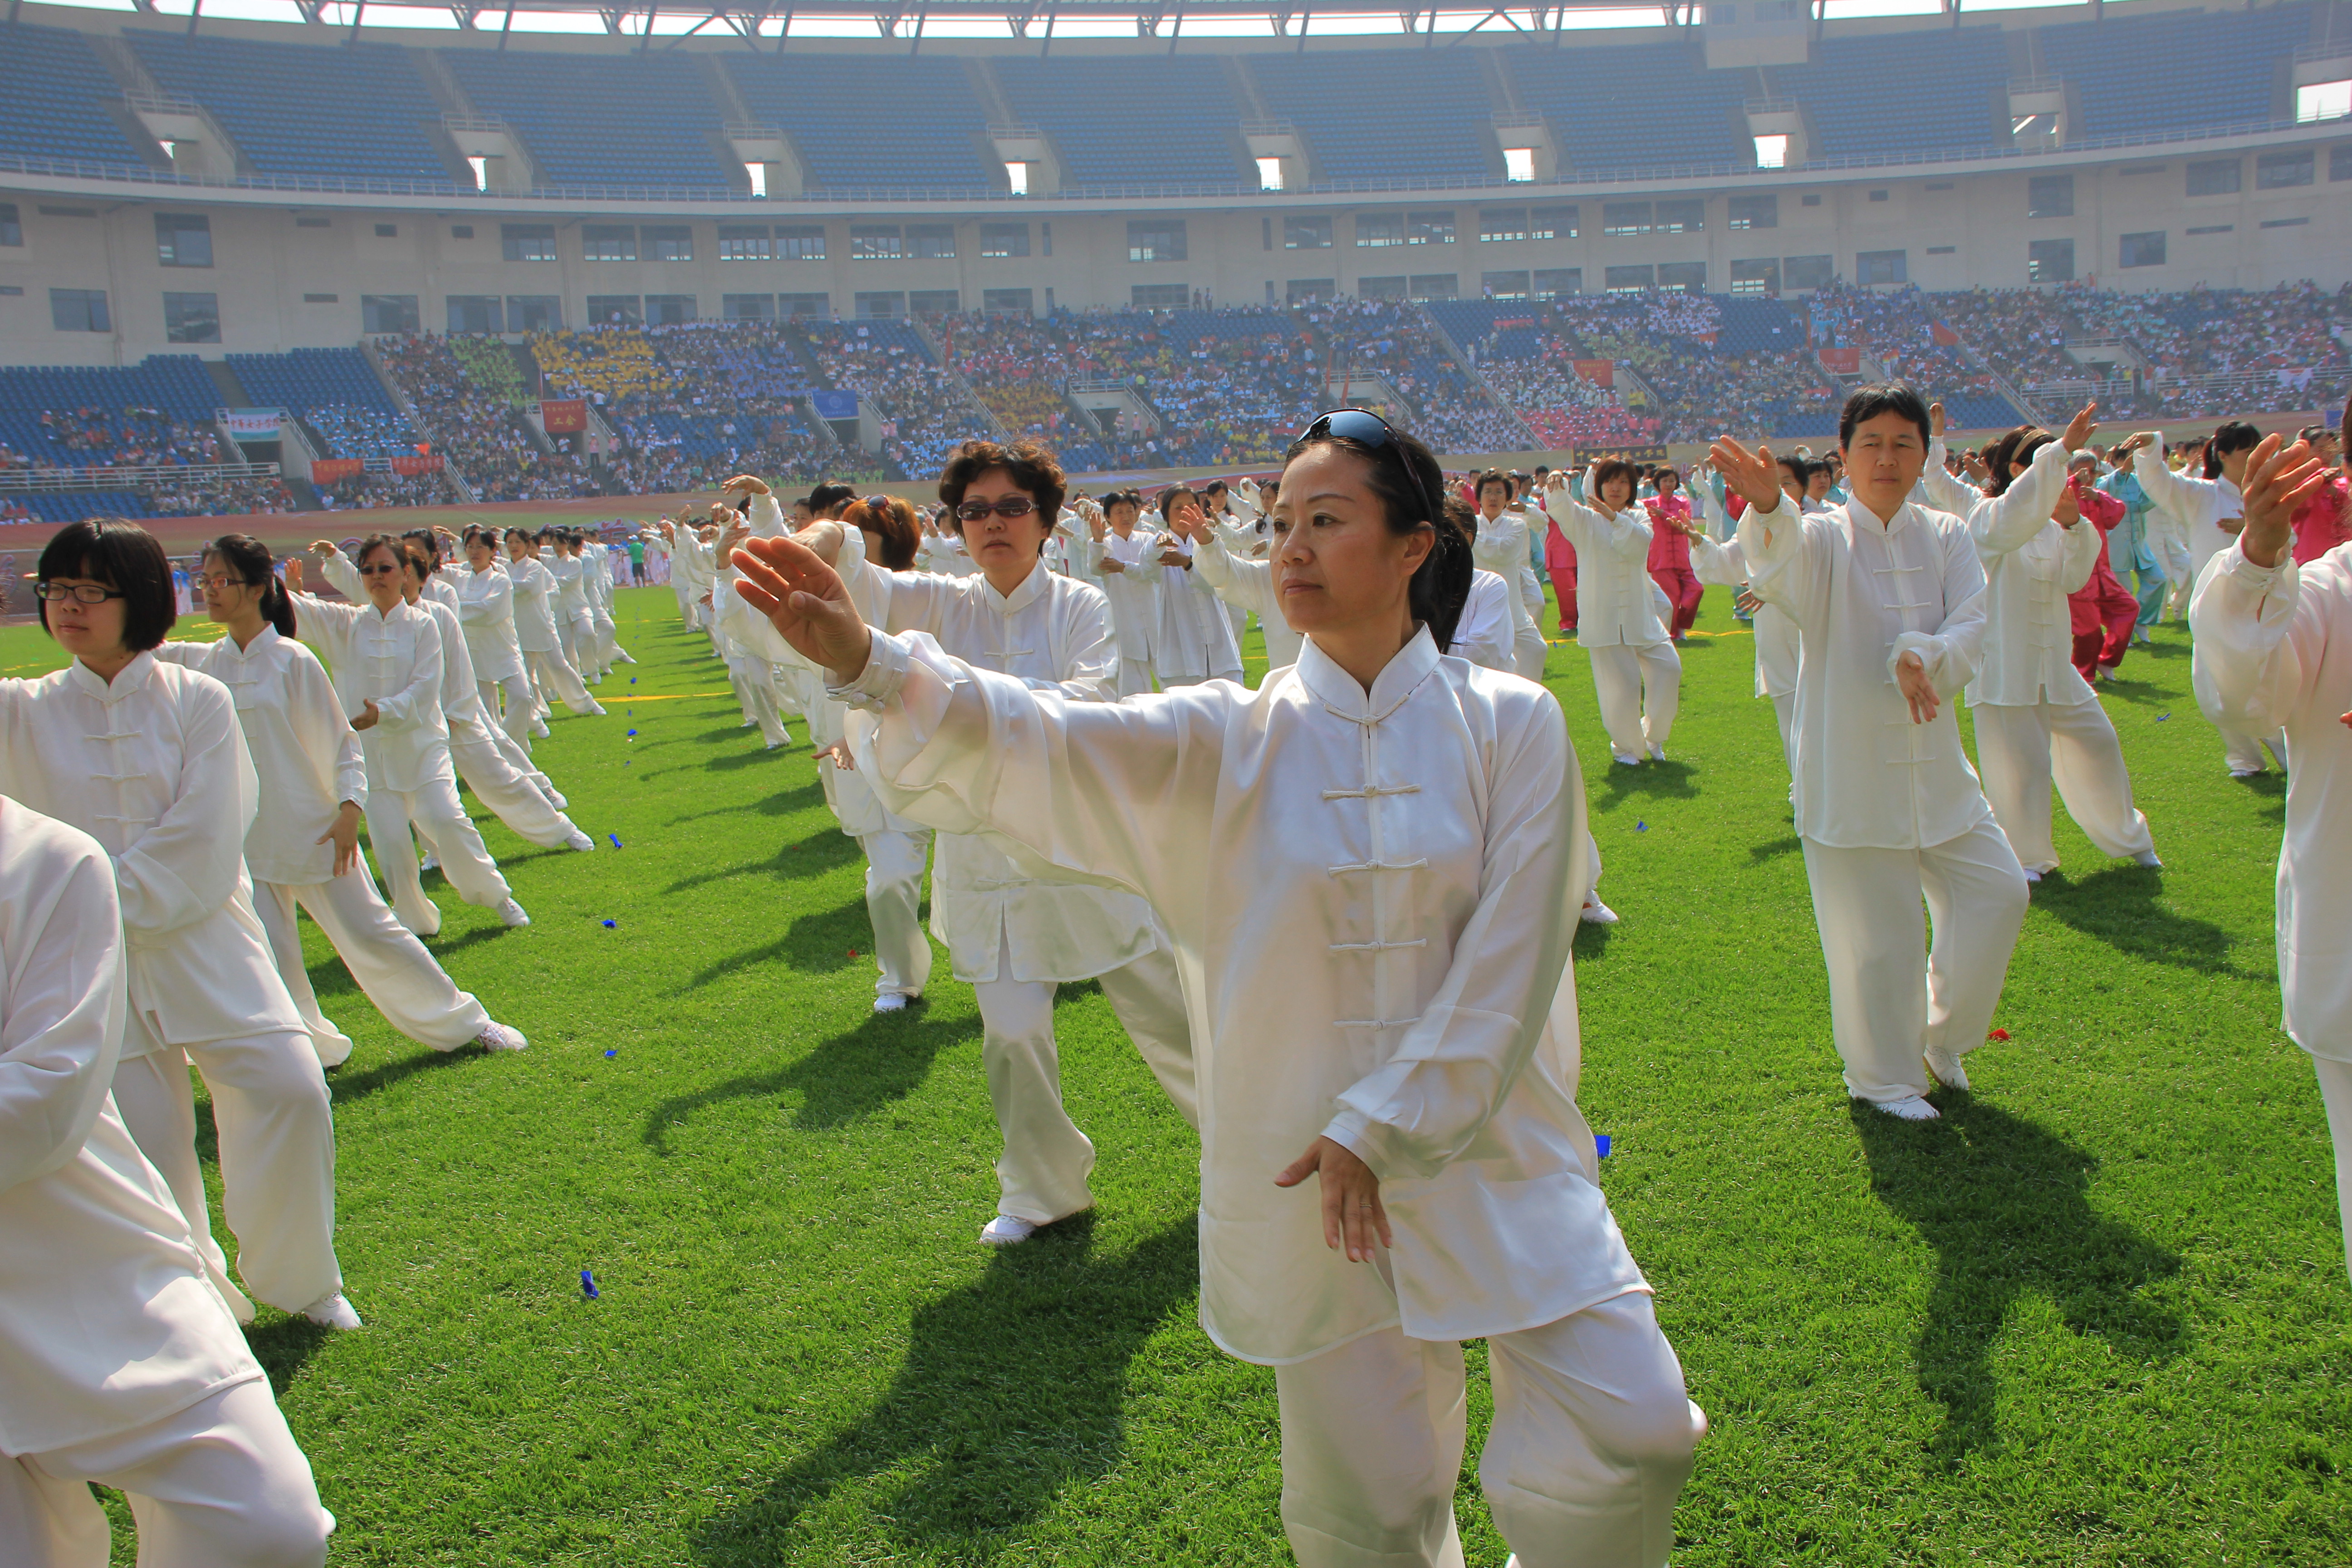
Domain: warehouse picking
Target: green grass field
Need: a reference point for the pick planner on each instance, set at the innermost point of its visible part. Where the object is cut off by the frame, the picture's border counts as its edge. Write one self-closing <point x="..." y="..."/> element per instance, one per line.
<point x="2098" y="1314"/>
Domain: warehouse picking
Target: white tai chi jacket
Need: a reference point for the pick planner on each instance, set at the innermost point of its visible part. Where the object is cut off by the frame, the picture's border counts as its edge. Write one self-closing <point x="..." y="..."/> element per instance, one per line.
<point x="1487" y="633"/>
<point x="1716" y="562"/>
<point x="2031" y="566"/>
<point x="1246" y="582"/>
<point x="1195" y="639"/>
<point x="2275" y="650"/>
<point x="486" y="618"/>
<point x="153" y="766"/>
<point x="2198" y="503"/>
<point x="1863" y="594"/>
<point x="1616" y="601"/>
<point x="392" y="658"/>
<point x="534" y="604"/>
<point x="1131" y="595"/>
<point x="1370" y="899"/>
<point x="107" y="1322"/>
<point x="1500" y="546"/>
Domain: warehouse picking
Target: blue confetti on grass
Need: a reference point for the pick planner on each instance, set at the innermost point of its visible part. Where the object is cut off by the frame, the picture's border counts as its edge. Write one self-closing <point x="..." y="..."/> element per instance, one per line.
<point x="610" y="1054"/>
<point x="1640" y="826"/>
<point x="2162" y="717"/>
<point x="611" y="925"/>
<point x="588" y="1285"/>
<point x="1601" y="1141"/>
<point x="632" y="731"/>
<point x="615" y="838"/>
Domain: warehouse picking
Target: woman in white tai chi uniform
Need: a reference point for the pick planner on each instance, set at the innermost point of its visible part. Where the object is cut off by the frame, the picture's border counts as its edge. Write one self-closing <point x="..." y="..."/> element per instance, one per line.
<point x="485" y="618"/>
<point x="552" y="678"/>
<point x="1245" y="582"/>
<point x="2274" y="651"/>
<point x="303" y="848"/>
<point x="1128" y="568"/>
<point x="1369" y="869"/>
<point x="146" y="757"/>
<point x="118" y="1364"/>
<point x="1012" y="933"/>
<point x="1715" y="560"/>
<point x="1501" y="546"/>
<point x="575" y="625"/>
<point x="1196" y="641"/>
<point x="386" y="660"/>
<point x="1637" y="676"/>
<point x="2036" y="718"/>
<point x="1888" y="598"/>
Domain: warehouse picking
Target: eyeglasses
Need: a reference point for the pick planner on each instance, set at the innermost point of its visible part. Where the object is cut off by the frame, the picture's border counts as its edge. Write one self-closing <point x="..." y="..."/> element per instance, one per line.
<point x="384" y="570"/>
<point x="1361" y="425"/>
<point x="80" y="592"/>
<point x="1003" y="506"/>
<point x="218" y="583"/>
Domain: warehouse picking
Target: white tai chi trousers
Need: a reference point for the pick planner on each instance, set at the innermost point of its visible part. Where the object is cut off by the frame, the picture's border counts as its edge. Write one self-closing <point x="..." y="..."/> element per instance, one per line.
<point x="1640" y="691"/>
<point x="436" y="816"/>
<point x="2179" y="566"/>
<point x="277" y="1138"/>
<point x="1528" y="650"/>
<point x="689" y="612"/>
<point x="1042" y="1177"/>
<point x="2022" y="748"/>
<point x="411" y="990"/>
<point x="1591" y="1442"/>
<point x="554" y="676"/>
<point x="607" y="644"/>
<point x="576" y="631"/>
<point x="508" y="790"/>
<point x="219" y="1483"/>
<point x="1784" y="712"/>
<point x="2244" y="753"/>
<point x="521" y="703"/>
<point x="894" y="891"/>
<point x="1893" y="993"/>
<point x="755" y="682"/>
<point x="1134" y="676"/>
<point x="2335" y="1092"/>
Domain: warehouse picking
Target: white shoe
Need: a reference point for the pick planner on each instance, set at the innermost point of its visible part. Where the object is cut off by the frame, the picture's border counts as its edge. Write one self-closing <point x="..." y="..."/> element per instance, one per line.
<point x="430" y="863"/>
<point x="2032" y="876"/>
<point x="621" y="655"/>
<point x="1910" y="1108"/>
<point x="1623" y="760"/>
<point x="511" y="913"/>
<point x="1657" y="753"/>
<point x="2244" y="773"/>
<point x="498" y="1036"/>
<point x="579" y="840"/>
<point x="889" y="1001"/>
<point x="554" y="796"/>
<point x="779" y="745"/>
<point x="332" y="1313"/>
<point x="1596" y="913"/>
<point x="595" y="709"/>
<point x="538" y="730"/>
<point x="2147" y="858"/>
<point x="1006" y="1229"/>
<point x="1946" y="1067"/>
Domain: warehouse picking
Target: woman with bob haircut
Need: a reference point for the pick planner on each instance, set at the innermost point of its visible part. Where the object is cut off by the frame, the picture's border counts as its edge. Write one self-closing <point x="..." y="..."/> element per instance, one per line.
<point x="1501" y="546"/>
<point x="1015" y="932"/>
<point x="303" y="848"/>
<point x="1368" y="868"/>
<point x="1637" y="676"/>
<point x="148" y="759"/>
<point x="1195" y="639"/>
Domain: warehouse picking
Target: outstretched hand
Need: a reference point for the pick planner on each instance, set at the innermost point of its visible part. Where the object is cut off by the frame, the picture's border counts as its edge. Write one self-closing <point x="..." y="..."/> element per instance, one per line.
<point x="1935" y="421"/>
<point x="1351" y="1197"/>
<point x="343" y="833"/>
<point x="1755" y="475"/>
<point x="2080" y="427"/>
<point x="1911" y="675"/>
<point x="2277" y="484"/>
<point x="807" y="602"/>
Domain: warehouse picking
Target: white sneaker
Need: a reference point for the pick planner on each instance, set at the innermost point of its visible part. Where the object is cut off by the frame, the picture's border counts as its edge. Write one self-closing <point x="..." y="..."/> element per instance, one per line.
<point x="554" y="796"/>
<point x="2147" y="858"/>
<point x="1006" y="1229"/>
<point x="1946" y="1067"/>
<point x="889" y="1001"/>
<point x="1910" y="1108"/>
<point x="595" y="709"/>
<point x="332" y="1313"/>
<point x="2244" y="773"/>
<point x="430" y="863"/>
<point x="1623" y="760"/>
<point x="1596" y="913"/>
<point x="496" y="1036"/>
<point x="511" y="913"/>
<point x="2032" y="875"/>
<point x="538" y="730"/>
<point x="1657" y="753"/>
<point x="579" y="840"/>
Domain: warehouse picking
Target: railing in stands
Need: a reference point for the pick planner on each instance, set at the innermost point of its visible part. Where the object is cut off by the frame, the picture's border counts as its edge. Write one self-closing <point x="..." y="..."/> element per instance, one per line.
<point x="130" y="476"/>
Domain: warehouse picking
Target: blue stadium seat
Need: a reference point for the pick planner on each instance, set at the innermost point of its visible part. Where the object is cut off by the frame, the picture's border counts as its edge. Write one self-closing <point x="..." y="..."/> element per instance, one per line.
<point x="1383" y="115"/>
<point x="1632" y="106"/>
<point x="644" y="120"/>
<point x="1899" y="93"/>
<point x="2136" y="75"/>
<point x="860" y="120"/>
<point x="353" y="112"/>
<point x="52" y="93"/>
<point x="177" y="383"/>
<point x="1151" y="122"/>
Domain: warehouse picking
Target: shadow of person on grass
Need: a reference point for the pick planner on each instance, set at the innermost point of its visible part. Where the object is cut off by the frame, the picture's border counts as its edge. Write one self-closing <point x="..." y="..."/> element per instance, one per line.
<point x="2118" y="905"/>
<point x="815" y="943"/>
<point x="1013" y="1392"/>
<point x="811" y="857"/>
<point x="1663" y="781"/>
<point x="2006" y="1205"/>
<point x="884" y="1059"/>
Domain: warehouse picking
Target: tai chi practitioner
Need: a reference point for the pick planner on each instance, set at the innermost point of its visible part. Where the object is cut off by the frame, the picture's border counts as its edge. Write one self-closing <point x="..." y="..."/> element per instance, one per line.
<point x="2131" y="545"/>
<point x="1247" y="583"/>
<point x="1128" y="568"/>
<point x="751" y="673"/>
<point x="386" y="660"/>
<point x="1636" y="674"/>
<point x="1670" y="550"/>
<point x="303" y="848"/>
<point x="485" y="618"/>
<point x="147" y="758"/>
<point x="1011" y="933"/>
<point x="689" y="572"/>
<point x="2105" y="614"/>
<point x="1196" y="641"/>
<point x="1889" y="602"/>
<point x="1715" y="558"/>
<point x="1501" y="546"/>
<point x="1369" y="869"/>
<point x="552" y="675"/>
<point x="575" y="627"/>
<point x="2274" y="650"/>
<point x="119" y="1362"/>
<point x="609" y="651"/>
<point x="2036" y="719"/>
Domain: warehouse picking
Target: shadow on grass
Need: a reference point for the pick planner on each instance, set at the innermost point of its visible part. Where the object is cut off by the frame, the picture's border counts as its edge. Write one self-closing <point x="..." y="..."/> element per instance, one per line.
<point x="1772" y="849"/>
<point x="2119" y="907"/>
<point x="345" y="1088"/>
<point x="1013" y="1392"/>
<point x="284" y="1346"/>
<point x="1668" y="780"/>
<point x="814" y="855"/>
<point x="2006" y="1205"/>
<point x="784" y="803"/>
<point x="881" y="1061"/>
<point x="815" y="943"/>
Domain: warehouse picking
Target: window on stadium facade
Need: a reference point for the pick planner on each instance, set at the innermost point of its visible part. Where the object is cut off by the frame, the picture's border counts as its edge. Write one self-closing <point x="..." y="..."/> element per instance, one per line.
<point x="1551" y="223"/>
<point x="933" y="301"/>
<point x="931" y="241"/>
<point x="1503" y="285"/>
<point x="2141" y="250"/>
<point x="1800" y="274"/>
<point x="388" y="313"/>
<point x="999" y="240"/>
<point x="2049" y="261"/>
<point x="2050" y="195"/>
<point x="1500" y="224"/>
<point x="1434" y="285"/>
<point x="608" y="242"/>
<point x="2275" y="171"/>
<point x="1681" y="216"/>
<point x="670" y="242"/>
<point x="1753" y="212"/>
<point x="12" y="229"/>
<point x="1690" y="277"/>
<point x="747" y="307"/>
<point x="1382" y="287"/>
<point x="615" y="311"/>
<point x="477" y="314"/>
<point x="2215" y="176"/>
<point x="192" y="317"/>
<point x="1624" y="219"/>
<point x="1307" y="234"/>
<point x="1379" y="230"/>
<point x="184" y="239"/>
<point x="1304" y="291"/>
<point x="1160" y="296"/>
<point x="1629" y="279"/>
<point x="1881" y="266"/>
<point x="804" y="307"/>
<point x="800" y="242"/>
<point x="534" y="313"/>
<point x="1433" y="227"/>
<point x="1558" y="282"/>
<point x="2339" y="161"/>
<point x="669" y="310"/>
<point x="743" y="242"/>
<point x="1008" y="301"/>
<point x="78" y="311"/>
<point x="880" y="305"/>
<point x="526" y="241"/>
<point x="1155" y="239"/>
<point x="877" y="242"/>
<point x="1759" y="276"/>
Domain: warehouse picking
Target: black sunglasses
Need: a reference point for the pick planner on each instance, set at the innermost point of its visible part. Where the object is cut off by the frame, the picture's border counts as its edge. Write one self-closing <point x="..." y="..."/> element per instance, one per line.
<point x="1003" y="506"/>
<point x="1361" y="425"/>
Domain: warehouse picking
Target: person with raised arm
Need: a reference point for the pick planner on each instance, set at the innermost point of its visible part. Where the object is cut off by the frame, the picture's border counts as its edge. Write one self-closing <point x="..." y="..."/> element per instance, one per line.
<point x="1195" y="638"/>
<point x="552" y="678"/>
<point x="2273" y="651"/>
<point x="1501" y="547"/>
<point x="1637" y="676"/>
<point x="1130" y="569"/>
<point x="1889" y="602"/>
<point x="486" y="619"/>
<point x="1369" y="869"/>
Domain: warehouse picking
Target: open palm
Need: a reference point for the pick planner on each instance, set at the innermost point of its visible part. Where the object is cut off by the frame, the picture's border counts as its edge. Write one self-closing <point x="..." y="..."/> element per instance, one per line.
<point x="806" y="602"/>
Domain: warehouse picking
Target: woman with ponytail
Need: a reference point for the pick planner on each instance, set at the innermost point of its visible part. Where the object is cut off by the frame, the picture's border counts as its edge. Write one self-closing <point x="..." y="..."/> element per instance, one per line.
<point x="303" y="848"/>
<point x="1369" y="869"/>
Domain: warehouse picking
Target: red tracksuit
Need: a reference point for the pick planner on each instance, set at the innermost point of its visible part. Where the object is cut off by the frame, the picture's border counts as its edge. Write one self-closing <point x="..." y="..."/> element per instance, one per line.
<point x="2103" y="611"/>
<point x="1670" y="560"/>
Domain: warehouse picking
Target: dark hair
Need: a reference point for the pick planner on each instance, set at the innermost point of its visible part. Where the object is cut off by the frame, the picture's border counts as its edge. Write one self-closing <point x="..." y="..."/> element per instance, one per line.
<point x="490" y="536"/>
<point x="829" y="495"/>
<point x="1795" y="468"/>
<point x="375" y="541"/>
<point x="1214" y="487"/>
<point x="126" y="557"/>
<point x="1666" y="472"/>
<point x="1168" y="499"/>
<point x="2002" y="452"/>
<point x="1867" y="403"/>
<point x="892" y="523"/>
<point x="1608" y="468"/>
<point x="431" y="544"/>
<point x="416" y="555"/>
<point x="1412" y="490"/>
<point x="257" y="568"/>
<point x="2237" y="436"/>
<point x="1030" y="465"/>
<point x="1493" y="477"/>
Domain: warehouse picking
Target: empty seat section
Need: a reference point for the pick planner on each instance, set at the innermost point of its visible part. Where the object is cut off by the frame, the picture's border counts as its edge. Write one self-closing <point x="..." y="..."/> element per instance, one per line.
<point x="1903" y="93"/>
<point x="1632" y="106"/>
<point x="2133" y="75"/>
<point x="1157" y="122"/>
<point x="861" y="122"/>
<point x="353" y="112"/>
<point x="644" y="120"/>
<point x="1407" y="114"/>
<point x="53" y="98"/>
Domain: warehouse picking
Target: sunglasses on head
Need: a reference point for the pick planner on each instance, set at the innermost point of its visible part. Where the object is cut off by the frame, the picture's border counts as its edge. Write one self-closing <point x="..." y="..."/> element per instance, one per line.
<point x="1003" y="506"/>
<point x="878" y="505"/>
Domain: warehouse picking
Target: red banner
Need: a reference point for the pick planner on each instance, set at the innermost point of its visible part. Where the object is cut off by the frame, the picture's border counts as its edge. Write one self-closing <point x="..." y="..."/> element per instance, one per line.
<point x="420" y="464"/>
<point x="1599" y="372"/>
<point x="1944" y="335"/>
<point x="1841" y="361"/>
<point x="564" y="417"/>
<point x="328" y="470"/>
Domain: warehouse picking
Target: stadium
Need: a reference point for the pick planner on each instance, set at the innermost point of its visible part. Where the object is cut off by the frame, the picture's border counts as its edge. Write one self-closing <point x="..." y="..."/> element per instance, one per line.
<point x="487" y="377"/>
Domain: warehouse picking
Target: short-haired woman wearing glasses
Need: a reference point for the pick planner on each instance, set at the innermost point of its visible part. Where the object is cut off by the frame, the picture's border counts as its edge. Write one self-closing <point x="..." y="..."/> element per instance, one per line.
<point x="1368" y="868"/>
<point x="147" y="758"/>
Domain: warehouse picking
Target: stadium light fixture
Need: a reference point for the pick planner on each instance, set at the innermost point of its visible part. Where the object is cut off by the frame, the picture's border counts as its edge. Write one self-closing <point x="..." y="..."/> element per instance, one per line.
<point x="1269" y="173"/>
<point x="1771" y="151"/>
<point x="1518" y="163"/>
<point x="2323" y="101"/>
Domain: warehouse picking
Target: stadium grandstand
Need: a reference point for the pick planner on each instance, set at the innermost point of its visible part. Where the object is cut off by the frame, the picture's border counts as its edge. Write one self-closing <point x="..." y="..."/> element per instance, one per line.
<point x="303" y="255"/>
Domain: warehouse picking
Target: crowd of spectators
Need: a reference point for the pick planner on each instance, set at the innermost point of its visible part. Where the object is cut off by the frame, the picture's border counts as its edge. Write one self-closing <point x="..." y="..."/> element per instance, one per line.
<point x="103" y="438"/>
<point x="923" y="413"/>
<point x="1393" y="339"/>
<point x="473" y="424"/>
<point x="1895" y="327"/>
<point x="211" y="496"/>
<point x="365" y="491"/>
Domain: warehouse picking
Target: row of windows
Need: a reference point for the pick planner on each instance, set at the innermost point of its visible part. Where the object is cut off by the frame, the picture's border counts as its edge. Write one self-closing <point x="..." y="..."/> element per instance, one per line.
<point x="2052" y="195"/>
